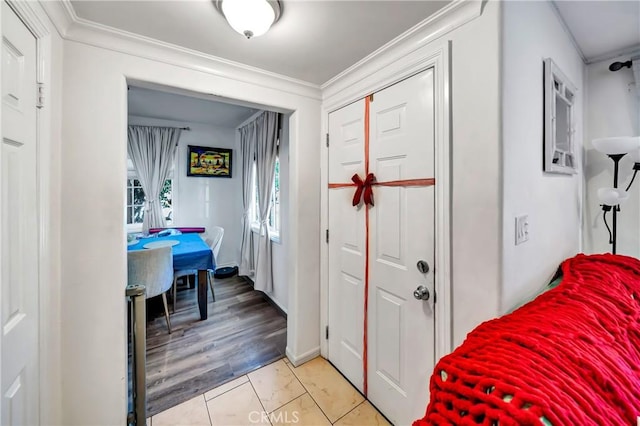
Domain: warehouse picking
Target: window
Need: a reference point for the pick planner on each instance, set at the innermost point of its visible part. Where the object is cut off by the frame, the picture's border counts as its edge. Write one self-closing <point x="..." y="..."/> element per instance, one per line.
<point x="274" y="213"/>
<point x="135" y="202"/>
<point x="136" y="199"/>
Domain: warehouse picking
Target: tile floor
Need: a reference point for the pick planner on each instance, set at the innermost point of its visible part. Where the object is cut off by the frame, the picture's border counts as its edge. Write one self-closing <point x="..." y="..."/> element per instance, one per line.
<point x="313" y="394"/>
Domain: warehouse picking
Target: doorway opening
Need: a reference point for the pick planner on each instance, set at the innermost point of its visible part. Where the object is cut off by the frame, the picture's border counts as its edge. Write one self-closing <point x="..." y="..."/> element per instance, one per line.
<point x="243" y="329"/>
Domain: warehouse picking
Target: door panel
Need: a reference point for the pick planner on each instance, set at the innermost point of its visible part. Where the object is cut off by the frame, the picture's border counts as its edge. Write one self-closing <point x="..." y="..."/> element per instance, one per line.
<point x="401" y="328"/>
<point x="346" y="244"/>
<point x="400" y="349"/>
<point x="19" y="225"/>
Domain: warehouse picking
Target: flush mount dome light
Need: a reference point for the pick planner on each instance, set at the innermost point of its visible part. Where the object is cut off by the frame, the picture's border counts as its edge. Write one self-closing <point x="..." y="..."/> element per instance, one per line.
<point x="251" y="18"/>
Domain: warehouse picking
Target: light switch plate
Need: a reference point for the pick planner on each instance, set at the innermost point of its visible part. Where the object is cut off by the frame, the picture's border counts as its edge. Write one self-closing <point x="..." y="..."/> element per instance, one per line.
<point x="522" y="229"/>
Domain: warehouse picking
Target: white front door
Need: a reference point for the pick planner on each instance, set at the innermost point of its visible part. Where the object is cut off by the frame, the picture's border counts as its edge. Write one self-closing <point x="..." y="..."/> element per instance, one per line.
<point x="19" y="226"/>
<point x="400" y="328"/>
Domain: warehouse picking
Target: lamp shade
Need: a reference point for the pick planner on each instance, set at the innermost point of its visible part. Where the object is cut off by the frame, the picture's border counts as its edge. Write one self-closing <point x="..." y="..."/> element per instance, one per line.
<point x="251" y="18"/>
<point x="612" y="196"/>
<point x="635" y="155"/>
<point x="617" y="145"/>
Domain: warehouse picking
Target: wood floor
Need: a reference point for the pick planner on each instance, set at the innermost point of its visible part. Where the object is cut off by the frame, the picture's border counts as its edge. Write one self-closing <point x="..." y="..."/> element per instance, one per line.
<point x="243" y="333"/>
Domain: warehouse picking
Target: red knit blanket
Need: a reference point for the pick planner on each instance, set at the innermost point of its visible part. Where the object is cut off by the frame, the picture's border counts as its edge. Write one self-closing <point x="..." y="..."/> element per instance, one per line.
<point x="570" y="357"/>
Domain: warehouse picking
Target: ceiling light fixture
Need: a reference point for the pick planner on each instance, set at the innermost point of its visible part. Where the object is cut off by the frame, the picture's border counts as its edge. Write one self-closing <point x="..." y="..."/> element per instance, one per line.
<point x="251" y="18"/>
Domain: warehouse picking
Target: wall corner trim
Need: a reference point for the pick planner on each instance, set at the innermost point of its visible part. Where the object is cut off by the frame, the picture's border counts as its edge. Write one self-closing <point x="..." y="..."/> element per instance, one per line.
<point x="27" y="11"/>
<point x="61" y="14"/>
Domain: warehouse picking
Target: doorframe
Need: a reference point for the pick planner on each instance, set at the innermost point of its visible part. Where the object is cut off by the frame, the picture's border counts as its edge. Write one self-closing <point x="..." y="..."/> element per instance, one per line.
<point x="438" y="57"/>
<point x="37" y="22"/>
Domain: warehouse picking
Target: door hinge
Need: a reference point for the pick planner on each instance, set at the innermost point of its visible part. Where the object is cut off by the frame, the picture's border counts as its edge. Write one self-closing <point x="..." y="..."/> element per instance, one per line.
<point x="327" y="235"/>
<point x="39" y="95"/>
<point x="326" y="332"/>
<point x="371" y="97"/>
<point x="327" y="140"/>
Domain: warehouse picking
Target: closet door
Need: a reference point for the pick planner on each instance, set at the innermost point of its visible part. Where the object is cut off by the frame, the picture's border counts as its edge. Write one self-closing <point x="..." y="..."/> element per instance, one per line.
<point x="401" y="234"/>
<point x="380" y="255"/>
<point x="19" y="373"/>
<point x="346" y="244"/>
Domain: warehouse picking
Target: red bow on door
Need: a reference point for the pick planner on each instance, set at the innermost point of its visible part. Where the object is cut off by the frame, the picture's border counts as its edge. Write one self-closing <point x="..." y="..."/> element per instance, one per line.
<point x="363" y="188"/>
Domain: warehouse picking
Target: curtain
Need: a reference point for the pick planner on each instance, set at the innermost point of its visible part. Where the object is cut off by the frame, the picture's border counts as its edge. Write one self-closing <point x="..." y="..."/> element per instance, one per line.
<point x="247" y="155"/>
<point x="267" y="126"/>
<point x="152" y="151"/>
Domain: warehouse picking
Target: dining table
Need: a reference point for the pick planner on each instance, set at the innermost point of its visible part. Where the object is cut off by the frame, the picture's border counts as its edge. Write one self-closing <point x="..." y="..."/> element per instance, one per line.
<point x="190" y="252"/>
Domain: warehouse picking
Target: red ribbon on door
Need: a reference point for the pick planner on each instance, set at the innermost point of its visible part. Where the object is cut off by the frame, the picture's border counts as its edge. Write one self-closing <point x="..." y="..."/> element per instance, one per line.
<point x="366" y="187"/>
<point x="364" y="190"/>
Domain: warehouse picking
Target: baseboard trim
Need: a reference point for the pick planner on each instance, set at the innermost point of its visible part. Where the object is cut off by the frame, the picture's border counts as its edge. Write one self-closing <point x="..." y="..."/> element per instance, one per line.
<point x="273" y="303"/>
<point x="282" y="311"/>
<point x="301" y="359"/>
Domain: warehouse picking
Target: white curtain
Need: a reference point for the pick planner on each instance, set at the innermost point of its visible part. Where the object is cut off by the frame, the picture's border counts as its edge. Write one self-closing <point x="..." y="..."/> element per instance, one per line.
<point x="247" y="153"/>
<point x="152" y="151"/>
<point x="267" y="125"/>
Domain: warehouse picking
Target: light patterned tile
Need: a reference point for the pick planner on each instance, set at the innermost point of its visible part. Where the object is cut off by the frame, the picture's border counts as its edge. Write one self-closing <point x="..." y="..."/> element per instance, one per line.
<point x="226" y="387"/>
<point x="302" y="411"/>
<point x="192" y="413"/>
<point x="275" y="385"/>
<point x="237" y="407"/>
<point x="333" y="393"/>
<point x="363" y="414"/>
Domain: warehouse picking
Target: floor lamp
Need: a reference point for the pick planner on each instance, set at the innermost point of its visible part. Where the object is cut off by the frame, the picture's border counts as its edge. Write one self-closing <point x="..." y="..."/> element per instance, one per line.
<point x="612" y="197"/>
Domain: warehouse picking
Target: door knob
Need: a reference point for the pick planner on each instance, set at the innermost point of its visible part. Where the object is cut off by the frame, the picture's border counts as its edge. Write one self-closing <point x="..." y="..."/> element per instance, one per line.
<point x="421" y="293"/>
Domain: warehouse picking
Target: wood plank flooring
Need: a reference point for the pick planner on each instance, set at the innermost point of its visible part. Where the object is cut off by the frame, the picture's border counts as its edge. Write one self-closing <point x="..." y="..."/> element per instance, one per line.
<point x="243" y="333"/>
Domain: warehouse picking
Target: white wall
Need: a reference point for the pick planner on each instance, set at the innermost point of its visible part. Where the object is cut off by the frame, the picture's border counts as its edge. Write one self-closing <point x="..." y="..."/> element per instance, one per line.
<point x="476" y="171"/>
<point x="203" y="201"/>
<point x="93" y="248"/>
<point x="532" y="32"/>
<point x="613" y="109"/>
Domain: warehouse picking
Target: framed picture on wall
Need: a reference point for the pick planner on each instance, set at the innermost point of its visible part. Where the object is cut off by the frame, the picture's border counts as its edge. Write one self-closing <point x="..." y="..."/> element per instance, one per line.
<point x="209" y="162"/>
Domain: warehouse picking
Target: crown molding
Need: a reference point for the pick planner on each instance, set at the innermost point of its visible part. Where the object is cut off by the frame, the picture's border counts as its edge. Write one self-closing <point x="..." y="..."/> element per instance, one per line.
<point x="567" y="30"/>
<point x="61" y="14"/>
<point x="447" y="19"/>
<point x="27" y="11"/>
<point x="631" y="51"/>
<point x="73" y="28"/>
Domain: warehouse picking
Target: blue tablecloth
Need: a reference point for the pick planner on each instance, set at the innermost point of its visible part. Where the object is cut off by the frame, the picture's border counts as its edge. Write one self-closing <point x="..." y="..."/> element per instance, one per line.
<point x="191" y="253"/>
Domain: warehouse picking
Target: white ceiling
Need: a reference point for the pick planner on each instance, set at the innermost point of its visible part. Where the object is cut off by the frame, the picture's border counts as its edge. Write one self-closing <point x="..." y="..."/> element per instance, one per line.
<point x="170" y="106"/>
<point x="602" y="28"/>
<point x="313" y="41"/>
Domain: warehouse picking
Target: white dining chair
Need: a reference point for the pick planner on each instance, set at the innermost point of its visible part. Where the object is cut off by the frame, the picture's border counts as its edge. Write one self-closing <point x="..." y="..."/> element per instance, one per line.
<point x="152" y="268"/>
<point x="214" y="240"/>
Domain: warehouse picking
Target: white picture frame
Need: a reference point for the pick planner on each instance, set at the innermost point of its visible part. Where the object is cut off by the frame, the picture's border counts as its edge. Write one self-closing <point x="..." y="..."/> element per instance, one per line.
<point x="559" y="123"/>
